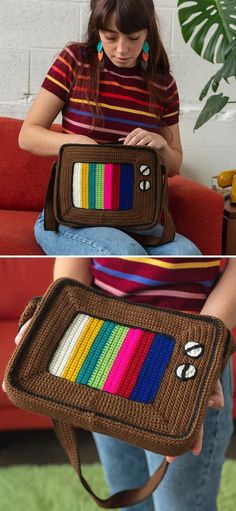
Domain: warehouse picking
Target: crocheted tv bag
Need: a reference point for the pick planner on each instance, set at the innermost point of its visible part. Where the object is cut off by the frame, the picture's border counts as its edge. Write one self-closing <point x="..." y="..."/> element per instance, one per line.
<point x="109" y="185"/>
<point x="135" y="372"/>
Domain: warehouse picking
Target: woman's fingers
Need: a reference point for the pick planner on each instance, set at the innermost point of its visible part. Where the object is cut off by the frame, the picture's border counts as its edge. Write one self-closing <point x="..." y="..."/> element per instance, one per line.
<point x="216" y="401"/>
<point x="18" y="339"/>
<point x="196" y="449"/>
<point x="170" y="459"/>
<point x="141" y="137"/>
<point x="135" y="136"/>
<point x="217" y="397"/>
<point x="22" y="331"/>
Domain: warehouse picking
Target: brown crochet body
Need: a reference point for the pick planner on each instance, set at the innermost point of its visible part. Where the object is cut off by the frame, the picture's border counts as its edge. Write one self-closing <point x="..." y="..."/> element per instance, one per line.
<point x="170" y="424"/>
<point x="150" y="207"/>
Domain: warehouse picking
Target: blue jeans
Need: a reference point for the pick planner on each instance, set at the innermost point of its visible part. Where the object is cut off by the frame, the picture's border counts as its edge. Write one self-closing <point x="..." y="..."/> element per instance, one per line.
<point x="92" y="241"/>
<point x="191" y="482"/>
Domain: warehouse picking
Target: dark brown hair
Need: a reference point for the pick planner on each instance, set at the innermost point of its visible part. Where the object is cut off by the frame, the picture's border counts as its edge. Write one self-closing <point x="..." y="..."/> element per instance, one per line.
<point x="131" y="16"/>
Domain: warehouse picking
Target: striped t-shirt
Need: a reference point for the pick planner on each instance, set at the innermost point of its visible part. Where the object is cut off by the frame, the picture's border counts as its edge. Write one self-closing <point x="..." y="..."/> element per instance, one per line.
<point x="123" y="98"/>
<point x="175" y="283"/>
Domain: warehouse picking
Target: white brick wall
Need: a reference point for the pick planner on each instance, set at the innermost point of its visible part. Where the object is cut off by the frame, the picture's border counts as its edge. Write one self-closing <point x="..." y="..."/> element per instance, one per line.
<point x="32" y="32"/>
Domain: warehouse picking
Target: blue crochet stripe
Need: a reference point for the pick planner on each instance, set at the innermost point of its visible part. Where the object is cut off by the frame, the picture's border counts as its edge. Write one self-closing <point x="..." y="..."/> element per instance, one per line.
<point x="126" y="186"/>
<point x="152" y="371"/>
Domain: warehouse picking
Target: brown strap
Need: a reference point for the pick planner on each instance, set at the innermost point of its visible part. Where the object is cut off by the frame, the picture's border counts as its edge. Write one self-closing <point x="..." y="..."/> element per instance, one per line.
<point x="50" y="223"/>
<point x="168" y="232"/>
<point x="67" y="436"/>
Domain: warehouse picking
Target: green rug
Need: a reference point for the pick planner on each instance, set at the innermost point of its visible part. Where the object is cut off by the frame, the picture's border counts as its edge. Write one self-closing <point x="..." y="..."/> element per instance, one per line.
<point x="56" y="488"/>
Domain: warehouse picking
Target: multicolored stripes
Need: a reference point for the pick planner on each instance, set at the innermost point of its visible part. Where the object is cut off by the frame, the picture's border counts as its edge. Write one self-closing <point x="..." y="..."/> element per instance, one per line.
<point x="123" y="99"/>
<point x="122" y="360"/>
<point x="103" y="186"/>
<point x="176" y="283"/>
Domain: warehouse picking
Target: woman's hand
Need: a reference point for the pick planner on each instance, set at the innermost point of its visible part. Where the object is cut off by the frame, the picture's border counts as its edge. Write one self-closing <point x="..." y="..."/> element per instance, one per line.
<point x="142" y="137"/>
<point x="18" y="339"/>
<point x="216" y="401"/>
<point x="167" y="144"/>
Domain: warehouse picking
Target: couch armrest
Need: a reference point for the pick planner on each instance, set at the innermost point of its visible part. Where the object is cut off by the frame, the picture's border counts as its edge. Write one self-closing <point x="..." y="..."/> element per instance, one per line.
<point x="197" y="213"/>
<point x="24" y="176"/>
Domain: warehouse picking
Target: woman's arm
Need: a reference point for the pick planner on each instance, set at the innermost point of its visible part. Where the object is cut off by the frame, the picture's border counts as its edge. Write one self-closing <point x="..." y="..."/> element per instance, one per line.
<point x="167" y="144"/>
<point x="78" y="268"/>
<point x="171" y="153"/>
<point x="221" y="302"/>
<point x="35" y="135"/>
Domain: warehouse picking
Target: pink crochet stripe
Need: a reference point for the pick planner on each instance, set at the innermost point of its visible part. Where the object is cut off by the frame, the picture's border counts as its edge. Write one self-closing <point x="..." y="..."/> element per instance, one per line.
<point x="108" y="186"/>
<point x="122" y="360"/>
<point x="135" y="365"/>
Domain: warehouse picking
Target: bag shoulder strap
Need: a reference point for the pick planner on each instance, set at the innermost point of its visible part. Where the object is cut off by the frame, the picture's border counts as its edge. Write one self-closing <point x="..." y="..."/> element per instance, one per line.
<point x="67" y="437"/>
<point x="50" y="222"/>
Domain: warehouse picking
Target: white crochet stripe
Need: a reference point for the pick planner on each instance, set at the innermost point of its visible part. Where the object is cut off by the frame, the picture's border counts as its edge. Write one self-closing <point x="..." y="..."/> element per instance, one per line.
<point x="77" y="185"/>
<point x="67" y="344"/>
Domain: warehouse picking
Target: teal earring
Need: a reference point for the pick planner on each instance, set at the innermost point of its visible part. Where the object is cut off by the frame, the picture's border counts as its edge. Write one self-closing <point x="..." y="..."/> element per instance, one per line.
<point x="145" y="55"/>
<point x="100" y="50"/>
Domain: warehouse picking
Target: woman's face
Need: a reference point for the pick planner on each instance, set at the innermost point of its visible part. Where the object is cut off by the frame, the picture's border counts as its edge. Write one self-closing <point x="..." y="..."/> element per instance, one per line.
<point x="122" y="49"/>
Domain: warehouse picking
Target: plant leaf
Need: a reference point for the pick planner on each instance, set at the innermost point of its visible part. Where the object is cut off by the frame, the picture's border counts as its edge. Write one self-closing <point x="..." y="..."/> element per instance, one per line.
<point x="198" y="17"/>
<point x="225" y="72"/>
<point x="213" y="105"/>
<point x="205" y="89"/>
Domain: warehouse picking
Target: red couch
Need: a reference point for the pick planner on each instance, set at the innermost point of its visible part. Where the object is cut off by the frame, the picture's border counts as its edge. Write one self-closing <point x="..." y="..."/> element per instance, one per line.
<point x="21" y="279"/>
<point x="197" y="210"/>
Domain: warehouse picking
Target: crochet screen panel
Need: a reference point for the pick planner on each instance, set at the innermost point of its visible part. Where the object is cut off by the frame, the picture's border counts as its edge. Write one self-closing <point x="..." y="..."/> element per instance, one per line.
<point x="106" y="186"/>
<point x="112" y="357"/>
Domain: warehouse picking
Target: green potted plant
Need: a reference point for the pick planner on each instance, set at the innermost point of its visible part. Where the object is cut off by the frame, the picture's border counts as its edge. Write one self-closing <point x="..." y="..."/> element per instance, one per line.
<point x="210" y="27"/>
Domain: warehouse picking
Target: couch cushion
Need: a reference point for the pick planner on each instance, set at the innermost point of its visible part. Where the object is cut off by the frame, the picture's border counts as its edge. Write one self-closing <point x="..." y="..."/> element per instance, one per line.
<point x="21" y="279"/>
<point x="17" y="233"/>
<point x="23" y="176"/>
<point x="12" y="417"/>
<point x="197" y="212"/>
<point x="8" y="333"/>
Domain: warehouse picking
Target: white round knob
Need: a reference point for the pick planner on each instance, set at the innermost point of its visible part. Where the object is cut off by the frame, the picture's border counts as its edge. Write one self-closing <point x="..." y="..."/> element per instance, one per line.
<point x="144" y="185"/>
<point x="145" y="170"/>
<point x="186" y="372"/>
<point x="193" y="349"/>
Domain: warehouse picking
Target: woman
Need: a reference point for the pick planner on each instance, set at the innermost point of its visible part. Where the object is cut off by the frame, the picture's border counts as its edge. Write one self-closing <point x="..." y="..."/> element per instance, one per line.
<point x="116" y="86"/>
<point x="192" y="284"/>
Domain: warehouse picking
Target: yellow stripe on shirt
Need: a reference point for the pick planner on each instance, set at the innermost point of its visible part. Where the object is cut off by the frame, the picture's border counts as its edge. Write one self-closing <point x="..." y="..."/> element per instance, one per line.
<point x="58" y="83"/>
<point x="173" y="266"/>
<point x="112" y="107"/>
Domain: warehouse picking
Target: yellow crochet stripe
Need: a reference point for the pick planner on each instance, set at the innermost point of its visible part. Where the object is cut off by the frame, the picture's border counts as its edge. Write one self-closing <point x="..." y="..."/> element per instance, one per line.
<point x="173" y="266"/>
<point x="85" y="170"/>
<point x="82" y="348"/>
<point x="80" y="184"/>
